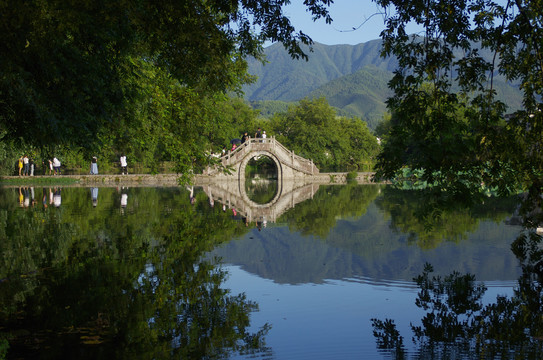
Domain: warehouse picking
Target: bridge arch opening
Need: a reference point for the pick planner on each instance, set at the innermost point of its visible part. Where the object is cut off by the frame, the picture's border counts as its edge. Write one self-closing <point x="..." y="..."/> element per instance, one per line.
<point x="261" y="179"/>
<point x="278" y="179"/>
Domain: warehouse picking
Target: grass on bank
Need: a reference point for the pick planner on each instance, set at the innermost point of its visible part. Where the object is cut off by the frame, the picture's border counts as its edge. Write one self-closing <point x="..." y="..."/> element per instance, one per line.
<point x="30" y="180"/>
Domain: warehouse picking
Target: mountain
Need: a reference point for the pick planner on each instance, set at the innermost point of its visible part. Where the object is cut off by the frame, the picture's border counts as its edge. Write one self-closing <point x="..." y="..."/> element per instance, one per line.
<point x="361" y="94"/>
<point x="353" y="78"/>
<point x="286" y="79"/>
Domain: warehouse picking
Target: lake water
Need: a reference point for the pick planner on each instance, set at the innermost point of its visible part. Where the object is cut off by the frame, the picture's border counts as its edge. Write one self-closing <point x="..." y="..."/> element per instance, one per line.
<point x="174" y="273"/>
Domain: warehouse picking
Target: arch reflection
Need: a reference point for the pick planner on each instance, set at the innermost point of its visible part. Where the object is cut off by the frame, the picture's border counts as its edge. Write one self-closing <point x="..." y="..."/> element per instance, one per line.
<point x="261" y="175"/>
<point x="233" y="194"/>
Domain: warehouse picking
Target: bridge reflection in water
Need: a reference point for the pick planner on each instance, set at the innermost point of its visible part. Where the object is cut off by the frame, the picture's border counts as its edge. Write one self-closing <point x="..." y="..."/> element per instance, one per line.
<point x="233" y="195"/>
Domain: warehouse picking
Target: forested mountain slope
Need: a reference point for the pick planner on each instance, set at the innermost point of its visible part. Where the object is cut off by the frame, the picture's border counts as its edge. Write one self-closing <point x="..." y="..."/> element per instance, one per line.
<point x="362" y="93"/>
<point x="287" y="79"/>
<point x="353" y="78"/>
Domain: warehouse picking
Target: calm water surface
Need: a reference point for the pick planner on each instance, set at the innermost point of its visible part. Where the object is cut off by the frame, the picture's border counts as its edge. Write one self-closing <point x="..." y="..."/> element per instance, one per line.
<point x="177" y="273"/>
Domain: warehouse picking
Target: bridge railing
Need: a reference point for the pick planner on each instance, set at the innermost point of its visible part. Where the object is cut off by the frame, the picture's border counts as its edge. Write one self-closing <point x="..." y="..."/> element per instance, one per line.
<point x="271" y="144"/>
<point x="296" y="161"/>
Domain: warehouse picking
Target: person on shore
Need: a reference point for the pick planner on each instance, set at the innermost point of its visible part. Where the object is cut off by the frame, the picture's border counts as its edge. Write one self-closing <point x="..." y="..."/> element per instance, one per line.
<point x="50" y="167"/>
<point x="31" y="167"/>
<point x="124" y="165"/>
<point x="94" y="166"/>
<point x="26" y="169"/>
<point x="44" y="165"/>
<point x="20" y="165"/>
<point x="56" y="165"/>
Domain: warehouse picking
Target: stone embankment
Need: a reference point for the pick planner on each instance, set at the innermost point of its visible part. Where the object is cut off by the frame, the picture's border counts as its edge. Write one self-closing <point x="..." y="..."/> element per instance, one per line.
<point x="101" y="180"/>
<point x="133" y="180"/>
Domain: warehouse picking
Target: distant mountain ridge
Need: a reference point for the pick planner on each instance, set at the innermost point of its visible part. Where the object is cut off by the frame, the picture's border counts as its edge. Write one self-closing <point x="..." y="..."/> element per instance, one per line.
<point x="287" y="79"/>
<point x="353" y="78"/>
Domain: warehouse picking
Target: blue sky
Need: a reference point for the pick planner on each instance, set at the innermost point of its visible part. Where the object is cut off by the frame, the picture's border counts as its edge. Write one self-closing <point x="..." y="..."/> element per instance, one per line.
<point x="347" y="14"/>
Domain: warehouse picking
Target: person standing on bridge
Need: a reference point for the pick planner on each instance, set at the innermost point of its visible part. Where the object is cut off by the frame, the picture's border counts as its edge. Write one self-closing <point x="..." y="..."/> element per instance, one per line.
<point x="258" y="133"/>
<point x="245" y="137"/>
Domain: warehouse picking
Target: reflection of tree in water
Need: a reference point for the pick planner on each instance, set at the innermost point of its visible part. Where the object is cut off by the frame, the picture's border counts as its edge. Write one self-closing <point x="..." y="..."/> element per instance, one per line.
<point x="318" y="215"/>
<point x="261" y="191"/>
<point x="88" y="284"/>
<point x="458" y="325"/>
<point x="430" y="219"/>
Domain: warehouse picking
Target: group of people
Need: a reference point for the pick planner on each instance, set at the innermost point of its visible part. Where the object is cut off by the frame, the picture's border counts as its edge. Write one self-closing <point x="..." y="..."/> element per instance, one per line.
<point x="259" y="134"/>
<point x="26" y="166"/>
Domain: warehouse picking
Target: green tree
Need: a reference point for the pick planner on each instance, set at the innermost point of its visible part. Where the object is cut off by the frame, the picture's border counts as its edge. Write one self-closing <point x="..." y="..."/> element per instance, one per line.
<point x="64" y="65"/>
<point x="447" y="131"/>
<point x="312" y="130"/>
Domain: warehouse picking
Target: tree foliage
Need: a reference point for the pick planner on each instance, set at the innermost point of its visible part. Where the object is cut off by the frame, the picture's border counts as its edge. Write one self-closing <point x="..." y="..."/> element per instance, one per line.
<point x="312" y="130"/>
<point x="89" y="73"/>
<point x="451" y="131"/>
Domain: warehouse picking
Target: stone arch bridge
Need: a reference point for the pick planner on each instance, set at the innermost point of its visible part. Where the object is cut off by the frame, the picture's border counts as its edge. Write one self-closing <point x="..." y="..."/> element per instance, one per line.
<point x="293" y="175"/>
<point x="289" y="165"/>
<point x="298" y="179"/>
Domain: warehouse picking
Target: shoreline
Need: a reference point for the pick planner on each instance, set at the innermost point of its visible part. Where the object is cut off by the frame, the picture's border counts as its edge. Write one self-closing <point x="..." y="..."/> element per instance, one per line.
<point x="159" y="180"/>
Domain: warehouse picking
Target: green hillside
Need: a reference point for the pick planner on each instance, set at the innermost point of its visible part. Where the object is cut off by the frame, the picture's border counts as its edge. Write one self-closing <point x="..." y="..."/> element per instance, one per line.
<point x="353" y="78"/>
<point x="283" y="78"/>
<point x="361" y="94"/>
<point x="269" y="107"/>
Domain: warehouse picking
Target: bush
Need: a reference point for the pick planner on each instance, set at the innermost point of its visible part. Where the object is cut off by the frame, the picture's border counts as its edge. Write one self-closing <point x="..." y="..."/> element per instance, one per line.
<point x="351" y="176"/>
